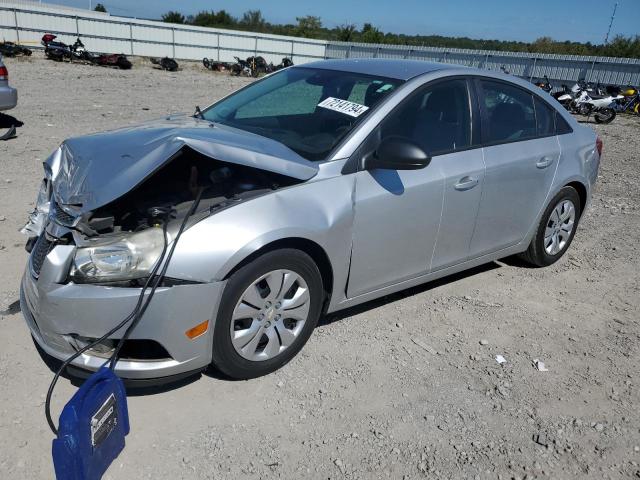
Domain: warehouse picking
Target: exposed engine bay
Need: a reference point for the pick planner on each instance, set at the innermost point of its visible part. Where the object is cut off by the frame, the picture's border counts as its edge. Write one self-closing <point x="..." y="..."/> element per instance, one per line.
<point x="170" y="191"/>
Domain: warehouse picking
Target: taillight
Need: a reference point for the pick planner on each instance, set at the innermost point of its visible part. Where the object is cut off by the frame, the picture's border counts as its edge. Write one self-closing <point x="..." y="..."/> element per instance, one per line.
<point x="599" y="145"/>
<point x="4" y="73"/>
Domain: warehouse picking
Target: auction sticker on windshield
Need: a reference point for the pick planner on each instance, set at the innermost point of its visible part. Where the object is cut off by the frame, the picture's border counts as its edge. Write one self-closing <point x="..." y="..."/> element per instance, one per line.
<point x="343" y="106"/>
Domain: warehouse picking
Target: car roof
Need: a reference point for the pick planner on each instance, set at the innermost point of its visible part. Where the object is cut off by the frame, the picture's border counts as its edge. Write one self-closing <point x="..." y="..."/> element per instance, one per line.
<point x="383" y="67"/>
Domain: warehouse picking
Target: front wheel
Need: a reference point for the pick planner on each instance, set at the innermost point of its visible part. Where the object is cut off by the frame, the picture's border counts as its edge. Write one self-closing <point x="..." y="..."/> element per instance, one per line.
<point x="605" y="115"/>
<point x="556" y="229"/>
<point x="268" y="311"/>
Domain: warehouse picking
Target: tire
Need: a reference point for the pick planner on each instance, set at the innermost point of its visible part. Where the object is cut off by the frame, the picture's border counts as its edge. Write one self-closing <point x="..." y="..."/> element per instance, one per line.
<point x="540" y="253"/>
<point x="206" y="63"/>
<point x="605" y="115"/>
<point x="123" y="63"/>
<point x="244" y="294"/>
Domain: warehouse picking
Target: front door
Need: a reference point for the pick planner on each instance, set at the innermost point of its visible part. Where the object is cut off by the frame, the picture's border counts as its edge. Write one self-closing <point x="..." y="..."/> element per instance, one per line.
<point x="409" y="222"/>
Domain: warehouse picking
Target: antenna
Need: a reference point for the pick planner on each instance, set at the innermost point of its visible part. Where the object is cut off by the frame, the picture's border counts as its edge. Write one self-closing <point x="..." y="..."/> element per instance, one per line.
<point x="613" y="15"/>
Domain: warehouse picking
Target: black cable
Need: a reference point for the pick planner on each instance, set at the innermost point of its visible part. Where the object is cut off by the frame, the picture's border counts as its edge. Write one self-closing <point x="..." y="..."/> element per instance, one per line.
<point x="65" y="364"/>
<point x="159" y="279"/>
<point x="136" y="314"/>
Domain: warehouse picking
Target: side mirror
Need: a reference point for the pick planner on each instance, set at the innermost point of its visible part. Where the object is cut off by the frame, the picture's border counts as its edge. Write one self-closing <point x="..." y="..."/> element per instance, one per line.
<point x="397" y="153"/>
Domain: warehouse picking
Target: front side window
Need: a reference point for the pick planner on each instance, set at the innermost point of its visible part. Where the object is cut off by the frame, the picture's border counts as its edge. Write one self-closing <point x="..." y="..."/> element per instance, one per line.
<point x="509" y="113"/>
<point x="307" y="109"/>
<point x="436" y="117"/>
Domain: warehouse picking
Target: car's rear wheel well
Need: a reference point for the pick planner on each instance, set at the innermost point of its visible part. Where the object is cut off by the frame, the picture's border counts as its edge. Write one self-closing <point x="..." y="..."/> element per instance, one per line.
<point x="582" y="193"/>
<point x="315" y="251"/>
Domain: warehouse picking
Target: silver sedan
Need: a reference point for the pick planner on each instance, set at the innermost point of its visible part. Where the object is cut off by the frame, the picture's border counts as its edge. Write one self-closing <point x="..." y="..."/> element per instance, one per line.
<point x="312" y="190"/>
<point x="8" y="95"/>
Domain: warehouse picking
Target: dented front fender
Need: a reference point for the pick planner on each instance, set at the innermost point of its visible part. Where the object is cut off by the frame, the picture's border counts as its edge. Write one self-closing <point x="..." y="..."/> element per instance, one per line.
<point x="320" y="211"/>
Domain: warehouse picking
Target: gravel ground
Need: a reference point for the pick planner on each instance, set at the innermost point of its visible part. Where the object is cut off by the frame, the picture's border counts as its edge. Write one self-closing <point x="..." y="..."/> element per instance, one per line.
<point x="403" y="387"/>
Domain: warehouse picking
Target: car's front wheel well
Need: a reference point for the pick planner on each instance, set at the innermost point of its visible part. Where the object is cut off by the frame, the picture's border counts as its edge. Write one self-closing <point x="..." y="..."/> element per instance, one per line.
<point x="315" y="251"/>
<point x="582" y="193"/>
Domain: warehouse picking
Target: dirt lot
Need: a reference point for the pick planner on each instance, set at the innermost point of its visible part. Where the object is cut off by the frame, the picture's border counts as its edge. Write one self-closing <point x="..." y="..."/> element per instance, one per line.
<point x="405" y="387"/>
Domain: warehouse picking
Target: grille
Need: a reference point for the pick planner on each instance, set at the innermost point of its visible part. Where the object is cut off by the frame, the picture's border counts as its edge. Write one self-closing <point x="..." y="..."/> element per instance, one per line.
<point x="63" y="217"/>
<point x="40" y="251"/>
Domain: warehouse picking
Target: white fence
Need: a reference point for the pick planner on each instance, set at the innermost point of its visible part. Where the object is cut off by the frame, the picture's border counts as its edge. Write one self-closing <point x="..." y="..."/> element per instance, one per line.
<point x="559" y="68"/>
<point x="26" y="22"/>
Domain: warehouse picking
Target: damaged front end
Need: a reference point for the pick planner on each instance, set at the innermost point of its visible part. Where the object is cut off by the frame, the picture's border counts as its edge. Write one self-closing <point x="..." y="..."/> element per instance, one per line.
<point x="108" y="194"/>
<point x="98" y="230"/>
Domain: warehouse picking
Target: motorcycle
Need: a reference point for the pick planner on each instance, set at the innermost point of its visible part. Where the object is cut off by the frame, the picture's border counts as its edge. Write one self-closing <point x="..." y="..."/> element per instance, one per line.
<point x="544" y="85"/>
<point x="166" y="63"/>
<point x="630" y="101"/>
<point x="567" y="95"/>
<point x="251" y="67"/>
<point x="285" y="63"/>
<point x="600" y="106"/>
<point x="241" y="67"/>
<point x="118" y="60"/>
<point x="10" y="49"/>
<point x="214" y="65"/>
<point x="59" y="51"/>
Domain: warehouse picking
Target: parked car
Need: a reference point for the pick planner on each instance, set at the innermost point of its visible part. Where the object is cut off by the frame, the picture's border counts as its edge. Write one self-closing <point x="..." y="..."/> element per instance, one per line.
<point x="8" y="95"/>
<point x="320" y="187"/>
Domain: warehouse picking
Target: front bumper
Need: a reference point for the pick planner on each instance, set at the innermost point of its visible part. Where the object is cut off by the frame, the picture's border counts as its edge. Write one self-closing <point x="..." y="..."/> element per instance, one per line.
<point x="55" y="312"/>
<point x="8" y="98"/>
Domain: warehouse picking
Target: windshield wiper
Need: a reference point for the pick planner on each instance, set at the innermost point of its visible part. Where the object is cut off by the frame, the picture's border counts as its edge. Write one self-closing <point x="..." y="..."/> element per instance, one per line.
<point x="198" y="113"/>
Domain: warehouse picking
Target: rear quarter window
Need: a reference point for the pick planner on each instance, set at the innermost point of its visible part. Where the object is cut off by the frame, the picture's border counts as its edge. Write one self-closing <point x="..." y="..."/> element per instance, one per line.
<point x="545" y="123"/>
<point x="562" y="126"/>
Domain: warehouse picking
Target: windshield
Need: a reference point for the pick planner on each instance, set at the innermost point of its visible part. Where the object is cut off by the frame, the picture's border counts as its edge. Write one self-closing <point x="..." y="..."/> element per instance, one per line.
<point x="307" y="109"/>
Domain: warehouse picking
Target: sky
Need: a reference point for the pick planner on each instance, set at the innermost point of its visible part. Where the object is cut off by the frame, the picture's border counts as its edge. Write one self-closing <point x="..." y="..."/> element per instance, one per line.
<point x="575" y="20"/>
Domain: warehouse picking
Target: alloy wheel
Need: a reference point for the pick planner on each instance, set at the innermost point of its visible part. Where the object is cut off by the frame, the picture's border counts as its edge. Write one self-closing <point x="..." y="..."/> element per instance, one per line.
<point x="560" y="225"/>
<point x="270" y="315"/>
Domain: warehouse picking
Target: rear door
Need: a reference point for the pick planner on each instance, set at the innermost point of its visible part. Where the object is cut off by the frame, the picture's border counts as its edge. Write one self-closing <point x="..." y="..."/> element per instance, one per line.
<point x="521" y="154"/>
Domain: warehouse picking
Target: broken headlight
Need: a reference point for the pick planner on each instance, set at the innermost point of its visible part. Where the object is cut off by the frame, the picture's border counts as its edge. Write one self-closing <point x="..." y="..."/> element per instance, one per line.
<point x="126" y="258"/>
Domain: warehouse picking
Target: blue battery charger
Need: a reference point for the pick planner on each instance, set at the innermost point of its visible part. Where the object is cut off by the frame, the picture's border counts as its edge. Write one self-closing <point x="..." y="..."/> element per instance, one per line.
<point x="92" y="428"/>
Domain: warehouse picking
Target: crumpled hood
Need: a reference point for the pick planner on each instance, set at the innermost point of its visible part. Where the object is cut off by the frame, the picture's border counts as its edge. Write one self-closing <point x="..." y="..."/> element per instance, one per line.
<point x="91" y="171"/>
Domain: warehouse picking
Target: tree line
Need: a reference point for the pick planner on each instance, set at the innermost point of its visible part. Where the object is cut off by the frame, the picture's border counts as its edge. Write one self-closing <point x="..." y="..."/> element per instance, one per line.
<point x="311" y="27"/>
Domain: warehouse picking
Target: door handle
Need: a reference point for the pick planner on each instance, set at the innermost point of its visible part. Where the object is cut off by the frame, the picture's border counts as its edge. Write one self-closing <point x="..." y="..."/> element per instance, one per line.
<point x="466" y="183"/>
<point x="544" y="162"/>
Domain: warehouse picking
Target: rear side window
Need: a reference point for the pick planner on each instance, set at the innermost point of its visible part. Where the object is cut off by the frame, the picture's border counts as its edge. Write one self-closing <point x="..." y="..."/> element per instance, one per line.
<point x="510" y="114"/>
<point x="544" y="119"/>
<point x="562" y="126"/>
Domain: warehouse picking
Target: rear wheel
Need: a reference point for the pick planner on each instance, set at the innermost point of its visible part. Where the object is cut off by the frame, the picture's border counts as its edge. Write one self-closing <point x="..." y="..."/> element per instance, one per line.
<point x="605" y="115"/>
<point x="123" y="63"/>
<point x="267" y="313"/>
<point x="556" y="229"/>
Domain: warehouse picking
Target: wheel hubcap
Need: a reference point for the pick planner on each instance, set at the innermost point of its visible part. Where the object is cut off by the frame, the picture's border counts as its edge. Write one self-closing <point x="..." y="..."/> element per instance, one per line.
<point x="559" y="227"/>
<point x="270" y="315"/>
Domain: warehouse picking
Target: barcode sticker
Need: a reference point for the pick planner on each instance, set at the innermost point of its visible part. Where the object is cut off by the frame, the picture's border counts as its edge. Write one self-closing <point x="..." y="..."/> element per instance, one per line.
<point x="104" y="421"/>
<point x="343" y="106"/>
